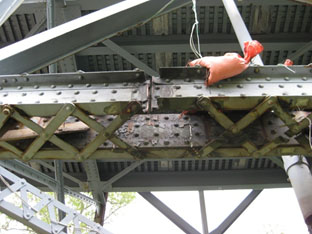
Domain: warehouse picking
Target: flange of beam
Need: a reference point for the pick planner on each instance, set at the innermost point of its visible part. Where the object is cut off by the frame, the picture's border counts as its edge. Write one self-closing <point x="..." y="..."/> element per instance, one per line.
<point x="47" y="47"/>
<point x="178" y="88"/>
<point x="98" y="93"/>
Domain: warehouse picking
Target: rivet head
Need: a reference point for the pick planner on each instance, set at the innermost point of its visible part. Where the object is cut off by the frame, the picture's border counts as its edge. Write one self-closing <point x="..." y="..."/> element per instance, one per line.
<point x="240" y="86"/>
<point x="304" y="94"/>
<point x="197" y="86"/>
<point x="281" y="86"/>
<point x="219" y="86"/>
<point x="88" y="85"/>
<point x="6" y="111"/>
<point x="105" y="84"/>
<point x="69" y="107"/>
<point x="260" y="86"/>
<point x="94" y="92"/>
<point x="70" y="86"/>
<point x="268" y="78"/>
<point x="286" y="78"/>
<point x="167" y="80"/>
<point x="177" y="86"/>
<point x="24" y="94"/>
<point x="304" y="78"/>
<point x="114" y="91"/>
<point x="125" y="84"/>
<point x="52" y="86"/>
<point x="234" y="130"/>
<point x="4" y="81"/>
<point x="76" y="92"/>
<point x="41" y="93"/>
<point x="187" y="80"/>
<point x="36" y="86"/>
<point x="135" y="91"/>
<point x="299" y="86"/>
<point x="58" y="93"/>
<point x="19" y="87"/>
<point x="248" y="79"/>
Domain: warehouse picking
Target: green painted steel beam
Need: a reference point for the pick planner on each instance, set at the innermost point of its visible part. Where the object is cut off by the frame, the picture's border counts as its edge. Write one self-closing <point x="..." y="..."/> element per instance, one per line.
<point x="133" y="118"/>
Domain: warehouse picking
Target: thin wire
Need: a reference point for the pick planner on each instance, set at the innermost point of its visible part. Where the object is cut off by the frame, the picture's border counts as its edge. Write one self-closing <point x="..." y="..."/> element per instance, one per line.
<point x="158" y="12"/>
<point x="195" y="50"/>
<point x="310" y="130"/>
<point x="310" y="125"/>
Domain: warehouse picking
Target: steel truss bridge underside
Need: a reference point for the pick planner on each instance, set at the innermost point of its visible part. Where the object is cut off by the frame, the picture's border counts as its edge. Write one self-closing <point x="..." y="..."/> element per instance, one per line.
<point x="155" y="127"/>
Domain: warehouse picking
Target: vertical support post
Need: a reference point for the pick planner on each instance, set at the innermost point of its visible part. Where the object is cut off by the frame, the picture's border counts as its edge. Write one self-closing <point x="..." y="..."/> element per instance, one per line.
<point x="58" y="164"/>
<point x="60" y="185"/>
<point x="239" y="26"/>
<point x="203" y="212"/>
<point x="297" y="168"/>
<point x="51" y="24"/>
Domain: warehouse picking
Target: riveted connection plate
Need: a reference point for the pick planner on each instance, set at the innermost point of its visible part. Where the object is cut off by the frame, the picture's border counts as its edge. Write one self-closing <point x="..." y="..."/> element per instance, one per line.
<point x="98" y="93"/>
<point x="178" y="88"/>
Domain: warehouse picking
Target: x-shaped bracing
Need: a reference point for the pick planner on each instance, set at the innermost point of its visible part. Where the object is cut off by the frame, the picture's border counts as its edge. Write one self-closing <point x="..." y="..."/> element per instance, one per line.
<point x="48" y="133"/>
<point x="236" y="129"/>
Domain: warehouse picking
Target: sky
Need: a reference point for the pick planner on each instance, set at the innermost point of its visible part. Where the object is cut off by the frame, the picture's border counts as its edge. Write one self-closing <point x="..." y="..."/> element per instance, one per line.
<point x="274" y="211"/>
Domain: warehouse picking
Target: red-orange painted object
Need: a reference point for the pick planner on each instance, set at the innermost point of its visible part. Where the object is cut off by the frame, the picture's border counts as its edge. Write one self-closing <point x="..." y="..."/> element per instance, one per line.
<point x="231" y="64"/>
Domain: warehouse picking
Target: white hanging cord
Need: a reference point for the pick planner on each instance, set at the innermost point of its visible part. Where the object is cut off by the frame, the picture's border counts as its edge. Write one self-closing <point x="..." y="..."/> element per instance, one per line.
<point x="299" y="117"/>
<point x="310" y="130"/>
<point x="287" y="67"/>
<point x="195" y="50"/>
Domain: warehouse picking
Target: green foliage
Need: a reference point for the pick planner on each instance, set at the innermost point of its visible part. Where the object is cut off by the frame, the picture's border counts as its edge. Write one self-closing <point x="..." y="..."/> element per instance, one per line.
<point x="116" y="201"/>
